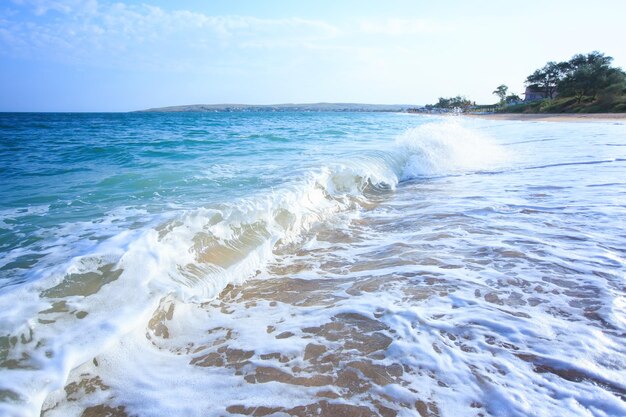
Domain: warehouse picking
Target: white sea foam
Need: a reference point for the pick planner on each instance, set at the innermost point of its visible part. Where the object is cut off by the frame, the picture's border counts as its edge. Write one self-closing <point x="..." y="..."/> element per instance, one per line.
<point x="448" y="147"/>
<point x="189" y="257"/>
<point x="193" y="256"/>
<point x="179" y="257"/>
<point x="11" y="214"/>
<point x="8" y="216"/>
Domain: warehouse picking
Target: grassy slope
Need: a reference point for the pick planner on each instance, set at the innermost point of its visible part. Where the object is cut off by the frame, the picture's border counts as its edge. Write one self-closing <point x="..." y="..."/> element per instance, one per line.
<point x="569" y="105"/>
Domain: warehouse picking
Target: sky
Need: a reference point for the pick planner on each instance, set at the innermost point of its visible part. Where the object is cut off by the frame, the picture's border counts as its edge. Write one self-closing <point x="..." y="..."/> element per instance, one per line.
<point x="111" y="55"/>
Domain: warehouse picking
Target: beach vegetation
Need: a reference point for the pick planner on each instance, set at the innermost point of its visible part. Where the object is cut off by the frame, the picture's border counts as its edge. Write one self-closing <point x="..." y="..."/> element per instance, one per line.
<point x="512" y="99"/>
<point x="501" y="93"/>
<point x="591" y="75"/>
<point x="547" y="78"/>
<point x="587" y="83"/>
<point x="460" y="102"/>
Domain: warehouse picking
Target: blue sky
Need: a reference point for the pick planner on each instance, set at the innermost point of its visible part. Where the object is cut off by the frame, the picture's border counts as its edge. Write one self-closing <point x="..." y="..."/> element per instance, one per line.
<point x="101" y="55"/>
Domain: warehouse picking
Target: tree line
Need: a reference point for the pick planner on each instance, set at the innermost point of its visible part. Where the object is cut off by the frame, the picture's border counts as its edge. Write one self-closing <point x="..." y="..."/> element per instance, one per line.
<point x="589" y="75"/>
<point x="460" y="102"/>
<point x="589" y="79"/>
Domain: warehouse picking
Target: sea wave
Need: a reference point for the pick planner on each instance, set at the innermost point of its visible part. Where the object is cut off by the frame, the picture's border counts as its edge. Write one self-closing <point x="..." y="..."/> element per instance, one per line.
<point x="195" y="254"/>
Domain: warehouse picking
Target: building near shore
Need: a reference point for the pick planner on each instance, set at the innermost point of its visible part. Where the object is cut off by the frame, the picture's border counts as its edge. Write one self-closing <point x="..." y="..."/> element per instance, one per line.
<point x="534" y="93"/>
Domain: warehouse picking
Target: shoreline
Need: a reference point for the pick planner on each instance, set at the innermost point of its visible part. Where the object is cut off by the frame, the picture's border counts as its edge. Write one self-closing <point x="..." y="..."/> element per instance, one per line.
<point x="553" y="117"/>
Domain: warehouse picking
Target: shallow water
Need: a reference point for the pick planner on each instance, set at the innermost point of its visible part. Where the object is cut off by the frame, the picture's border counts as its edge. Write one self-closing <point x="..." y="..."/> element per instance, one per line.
<point x="306" y="264"/>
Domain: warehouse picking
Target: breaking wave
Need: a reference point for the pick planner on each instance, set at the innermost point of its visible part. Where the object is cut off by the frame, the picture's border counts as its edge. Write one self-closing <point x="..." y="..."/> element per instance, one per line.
<point x="193" y="256"/>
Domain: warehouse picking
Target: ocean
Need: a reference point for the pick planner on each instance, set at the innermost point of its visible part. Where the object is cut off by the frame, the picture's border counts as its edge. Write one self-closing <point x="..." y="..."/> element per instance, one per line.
<point x="311" y="263"/>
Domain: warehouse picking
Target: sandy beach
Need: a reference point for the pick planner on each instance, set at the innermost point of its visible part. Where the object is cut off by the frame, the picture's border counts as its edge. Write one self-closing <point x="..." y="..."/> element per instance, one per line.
<point x="555" y="117"/>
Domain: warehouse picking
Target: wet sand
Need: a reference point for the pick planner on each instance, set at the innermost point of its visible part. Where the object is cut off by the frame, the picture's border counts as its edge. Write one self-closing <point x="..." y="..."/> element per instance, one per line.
<point x="554" y="117"/>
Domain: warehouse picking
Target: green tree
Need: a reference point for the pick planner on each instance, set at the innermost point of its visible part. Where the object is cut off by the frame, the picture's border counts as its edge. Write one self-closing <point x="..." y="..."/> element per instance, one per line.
<point x="501" y="92"/>
<point x="590" y="75"/>
<point x="512" y="98"/>
<point x="548" y="77"/>
<point x="452" y="102"/>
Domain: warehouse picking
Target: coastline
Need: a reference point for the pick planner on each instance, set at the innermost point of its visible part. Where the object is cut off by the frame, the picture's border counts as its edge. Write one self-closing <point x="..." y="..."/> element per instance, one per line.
<point x="554" y="117"/>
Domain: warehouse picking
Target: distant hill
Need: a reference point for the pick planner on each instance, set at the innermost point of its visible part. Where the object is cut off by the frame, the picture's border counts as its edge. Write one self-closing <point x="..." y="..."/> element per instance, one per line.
<point x="312" y="107"/>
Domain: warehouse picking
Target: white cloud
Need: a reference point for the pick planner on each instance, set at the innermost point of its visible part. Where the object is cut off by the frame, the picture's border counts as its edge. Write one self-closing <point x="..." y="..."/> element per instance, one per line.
<point x="112" y="34"/>
<point x="88" y="32"/>
<point x="218" y="52"/>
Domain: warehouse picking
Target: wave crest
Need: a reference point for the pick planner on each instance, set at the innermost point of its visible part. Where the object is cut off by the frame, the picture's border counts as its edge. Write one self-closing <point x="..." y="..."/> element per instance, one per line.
<point x="448" y="147"/>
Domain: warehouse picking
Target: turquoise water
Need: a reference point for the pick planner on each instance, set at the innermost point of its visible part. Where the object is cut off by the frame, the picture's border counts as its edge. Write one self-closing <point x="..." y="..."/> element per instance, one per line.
<point x="210" y="264"/>
<point x="130" y="170"/>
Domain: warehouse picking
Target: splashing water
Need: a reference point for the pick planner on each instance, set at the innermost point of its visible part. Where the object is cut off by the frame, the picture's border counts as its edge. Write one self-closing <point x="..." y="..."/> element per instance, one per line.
<point x="402" y="265"/>
<point x="448" y="147"/>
